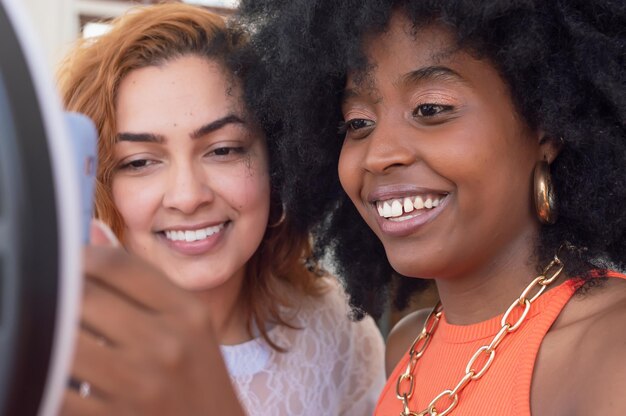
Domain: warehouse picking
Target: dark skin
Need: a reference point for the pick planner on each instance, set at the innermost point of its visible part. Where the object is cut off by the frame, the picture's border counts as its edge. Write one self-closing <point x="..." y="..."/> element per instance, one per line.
<point x="579" y="367"/>
<point x="436" y="123"/>
<point x="154" y="308"/>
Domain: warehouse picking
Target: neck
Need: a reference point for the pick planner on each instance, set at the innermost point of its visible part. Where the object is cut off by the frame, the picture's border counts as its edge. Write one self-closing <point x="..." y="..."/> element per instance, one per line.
<point x="228" y="312"/>
<point x="488" y="290"/>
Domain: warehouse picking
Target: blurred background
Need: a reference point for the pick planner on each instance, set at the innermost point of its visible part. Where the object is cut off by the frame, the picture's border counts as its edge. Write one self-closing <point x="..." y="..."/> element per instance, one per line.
<point x="60" y="22"/>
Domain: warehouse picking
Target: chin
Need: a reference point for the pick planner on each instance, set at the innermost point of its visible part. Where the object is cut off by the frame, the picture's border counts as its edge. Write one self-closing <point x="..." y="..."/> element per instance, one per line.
<point x="408" y="271"/>
<point x="197" y="283"/>
<point x="415" y="266"/>
<point x="406" y="268"/>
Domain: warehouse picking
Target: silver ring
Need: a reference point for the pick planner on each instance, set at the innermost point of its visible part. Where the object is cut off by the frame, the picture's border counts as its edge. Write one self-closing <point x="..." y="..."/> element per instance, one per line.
<point x="84" y="389"/>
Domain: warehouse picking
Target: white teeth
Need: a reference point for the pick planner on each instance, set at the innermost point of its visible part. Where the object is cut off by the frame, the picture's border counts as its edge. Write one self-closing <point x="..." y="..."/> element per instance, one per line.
<point x="190" y="235"/>
<point x="403" y="218"/>
<point x="396" y="208"/>
<point x="408" y="205"/>
<point x="213" y="230"/>
<point x="193" y="235"/>
<point x="386" y="210"/>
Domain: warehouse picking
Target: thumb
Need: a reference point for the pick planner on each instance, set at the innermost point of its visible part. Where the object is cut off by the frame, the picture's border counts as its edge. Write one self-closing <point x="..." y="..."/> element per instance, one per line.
<point x="101" y="235"/>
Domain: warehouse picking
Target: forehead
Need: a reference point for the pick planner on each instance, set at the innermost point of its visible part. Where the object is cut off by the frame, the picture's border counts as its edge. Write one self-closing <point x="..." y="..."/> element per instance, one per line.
<point x="181" y="89"/>
<point x="403" y="48"/>
<point x="183" y="75"/>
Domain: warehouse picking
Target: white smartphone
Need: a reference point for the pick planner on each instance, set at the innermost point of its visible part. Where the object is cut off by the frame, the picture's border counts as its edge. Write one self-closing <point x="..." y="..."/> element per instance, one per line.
<point x="84" y="138"/>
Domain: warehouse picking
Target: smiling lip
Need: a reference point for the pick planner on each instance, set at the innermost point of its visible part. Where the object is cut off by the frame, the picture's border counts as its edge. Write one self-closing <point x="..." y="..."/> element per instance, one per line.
<point x="410" y="225"/>
<point x="198" y="247"/>
<point x="399" y="191"/>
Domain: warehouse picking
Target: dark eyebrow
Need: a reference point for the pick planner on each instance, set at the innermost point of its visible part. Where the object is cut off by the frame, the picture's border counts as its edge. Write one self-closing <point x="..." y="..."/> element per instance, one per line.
<point x="216" y="125"/>
<point x="430" y="72"/>
<point x="139" y="137"/>
<point x="413" y="77"/>
<point x="157" y="138"/>
<point x="349" y="93"/>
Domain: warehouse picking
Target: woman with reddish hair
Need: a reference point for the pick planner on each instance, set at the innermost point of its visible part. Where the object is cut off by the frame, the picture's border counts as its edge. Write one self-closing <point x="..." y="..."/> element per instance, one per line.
<point x="187" y="182"/>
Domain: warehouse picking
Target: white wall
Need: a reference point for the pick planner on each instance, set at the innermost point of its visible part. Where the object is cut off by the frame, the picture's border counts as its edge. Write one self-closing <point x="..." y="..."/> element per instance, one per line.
<point x="56" y="24"/>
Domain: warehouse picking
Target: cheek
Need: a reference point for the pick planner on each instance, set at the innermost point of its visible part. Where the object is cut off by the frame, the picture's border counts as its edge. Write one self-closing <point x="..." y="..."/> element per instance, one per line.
<point x="136" y="202"/>
<point x="348" y="171"/>
<point x="351" y="177"/>
<point x="248" y="191"/>
<point x="256" y="196"/>
<point x="488" y="196"/>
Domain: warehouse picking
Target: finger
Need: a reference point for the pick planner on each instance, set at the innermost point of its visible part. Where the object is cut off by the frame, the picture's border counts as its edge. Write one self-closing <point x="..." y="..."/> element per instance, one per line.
<point x="94" y="363"/>
<point x="113" y="316"/>
<point x="101" y="235"/>
<point x="134" y="278"/>
<point x="107" y="369"/>
<point x="76" y="405"/>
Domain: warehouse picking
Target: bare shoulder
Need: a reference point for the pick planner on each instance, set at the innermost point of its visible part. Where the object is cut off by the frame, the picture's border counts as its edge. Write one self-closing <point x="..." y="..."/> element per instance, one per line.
<point x="589" y="346"/>
<point x="402" y="336"/>
<point x="605" y="348"/>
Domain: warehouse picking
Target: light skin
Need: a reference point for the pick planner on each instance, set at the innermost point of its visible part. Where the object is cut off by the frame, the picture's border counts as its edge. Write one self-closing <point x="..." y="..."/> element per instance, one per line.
<point x="434" y="122"/>
<point x="186" y="160"/>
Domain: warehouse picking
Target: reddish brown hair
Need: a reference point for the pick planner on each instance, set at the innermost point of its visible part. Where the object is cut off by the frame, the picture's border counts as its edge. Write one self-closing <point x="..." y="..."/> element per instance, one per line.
<point x="89" y="79"/>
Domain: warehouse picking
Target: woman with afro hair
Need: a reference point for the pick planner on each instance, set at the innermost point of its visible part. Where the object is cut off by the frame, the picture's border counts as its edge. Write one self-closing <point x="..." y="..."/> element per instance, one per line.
<point x="481" y="147"/>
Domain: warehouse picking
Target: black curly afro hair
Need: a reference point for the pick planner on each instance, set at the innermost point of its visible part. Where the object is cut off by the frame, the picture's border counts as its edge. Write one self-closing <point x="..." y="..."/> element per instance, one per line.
<point x="562" y="59"/>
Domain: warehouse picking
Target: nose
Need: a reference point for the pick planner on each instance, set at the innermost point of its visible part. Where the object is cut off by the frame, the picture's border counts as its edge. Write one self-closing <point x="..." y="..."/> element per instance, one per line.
<point x="388" y="147"/>
<point x="188" y="188"/>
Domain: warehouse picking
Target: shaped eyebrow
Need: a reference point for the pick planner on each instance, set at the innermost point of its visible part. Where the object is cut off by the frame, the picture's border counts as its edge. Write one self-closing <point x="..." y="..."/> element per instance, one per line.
<point x="216" y="125"/>
<point x="412" y="78"/>
<point x="354" y="93"/>
<point x="139" y="137"/>
<point x="430" y="72"/>
<point x="202" y="131"/>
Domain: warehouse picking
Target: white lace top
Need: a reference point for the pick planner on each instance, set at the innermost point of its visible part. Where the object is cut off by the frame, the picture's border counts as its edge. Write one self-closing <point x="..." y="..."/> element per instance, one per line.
<point x="333" y="366"/>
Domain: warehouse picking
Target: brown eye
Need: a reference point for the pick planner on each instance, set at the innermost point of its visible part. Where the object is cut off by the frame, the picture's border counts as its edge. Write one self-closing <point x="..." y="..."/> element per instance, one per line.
<point x="356" y="128"/>
<point x="359" y="123"/>
<point x="430" y="110"/>
<point x="137" y="164"/>
<point x="223" y="151"/>
<point x="227" y="151"/>
<point x="351" y="126"/>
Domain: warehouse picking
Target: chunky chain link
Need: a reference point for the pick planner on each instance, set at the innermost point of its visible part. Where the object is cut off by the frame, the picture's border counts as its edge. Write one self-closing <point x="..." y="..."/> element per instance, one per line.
<point x="486" y="354"/>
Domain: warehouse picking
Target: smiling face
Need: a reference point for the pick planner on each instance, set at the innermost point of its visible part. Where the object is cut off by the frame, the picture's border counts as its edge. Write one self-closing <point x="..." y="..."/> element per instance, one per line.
<point x="435" y="158"/>
<point x="191" y="180"/>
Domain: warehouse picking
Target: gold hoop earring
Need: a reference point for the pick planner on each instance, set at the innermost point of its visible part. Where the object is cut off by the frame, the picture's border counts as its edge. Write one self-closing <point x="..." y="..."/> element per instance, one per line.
<point x="545" y="198"/>
<point x="281" y="220"/>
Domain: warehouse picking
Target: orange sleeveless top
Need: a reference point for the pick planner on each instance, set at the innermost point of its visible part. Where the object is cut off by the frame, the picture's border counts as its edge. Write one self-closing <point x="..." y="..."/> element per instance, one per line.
<point x="505" y="387"/>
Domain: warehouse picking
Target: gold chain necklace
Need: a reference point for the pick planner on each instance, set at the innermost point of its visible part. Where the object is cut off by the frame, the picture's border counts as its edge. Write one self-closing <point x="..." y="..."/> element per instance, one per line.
<point x="405" y="384"/>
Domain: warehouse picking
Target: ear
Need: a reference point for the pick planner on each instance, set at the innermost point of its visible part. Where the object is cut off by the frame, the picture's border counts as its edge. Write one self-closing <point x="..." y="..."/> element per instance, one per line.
<point x="549" y="147"/>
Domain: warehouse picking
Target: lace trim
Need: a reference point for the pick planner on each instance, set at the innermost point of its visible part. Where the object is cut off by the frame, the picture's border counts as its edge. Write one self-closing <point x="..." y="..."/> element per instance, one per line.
<point x="246" y="359"/>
